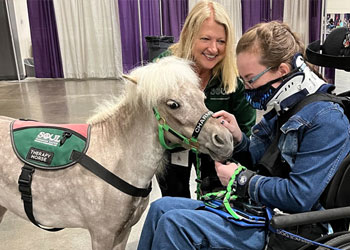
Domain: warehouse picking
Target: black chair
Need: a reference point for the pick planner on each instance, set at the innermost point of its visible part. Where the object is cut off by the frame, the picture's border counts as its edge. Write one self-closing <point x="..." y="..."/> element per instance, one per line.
<point x="336" y="201"/>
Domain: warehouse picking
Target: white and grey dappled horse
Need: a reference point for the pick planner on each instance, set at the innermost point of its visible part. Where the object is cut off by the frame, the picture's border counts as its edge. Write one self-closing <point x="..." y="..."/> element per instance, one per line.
<point x="124" y="140"/>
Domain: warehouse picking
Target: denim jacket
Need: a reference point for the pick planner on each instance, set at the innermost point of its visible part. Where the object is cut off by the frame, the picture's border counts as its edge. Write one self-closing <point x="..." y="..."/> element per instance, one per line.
<point x="313" y="143"/>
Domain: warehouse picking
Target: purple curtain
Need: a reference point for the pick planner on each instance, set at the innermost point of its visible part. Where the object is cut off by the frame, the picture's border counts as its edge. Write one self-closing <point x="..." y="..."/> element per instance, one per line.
<point x="315" y="13"/>
<point x="253" y="12"/>
<point x="130" y="35"/>
<point x="277" y="10"/>
<point x="174" y="14"/>
<point x="329" y="75"/>
<point x="256" y="11"/>
<point x="45" y="43"/>
<point x="150" y="22"/>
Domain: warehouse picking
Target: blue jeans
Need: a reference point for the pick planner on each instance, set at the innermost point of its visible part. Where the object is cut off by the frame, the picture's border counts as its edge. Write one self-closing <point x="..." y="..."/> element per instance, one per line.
<point x="173" y="223"/>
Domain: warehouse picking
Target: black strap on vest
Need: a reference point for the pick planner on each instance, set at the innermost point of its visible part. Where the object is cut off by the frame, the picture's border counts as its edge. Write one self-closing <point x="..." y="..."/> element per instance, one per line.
<point x="24" y="186"/>
<point x="96" y="168"/>
<point x="271" y="163"/>
<point x="25" y="181"/>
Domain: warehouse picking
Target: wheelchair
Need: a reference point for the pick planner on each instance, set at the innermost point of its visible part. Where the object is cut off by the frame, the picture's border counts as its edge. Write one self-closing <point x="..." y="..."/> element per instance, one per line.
<point x="336" y="201"/>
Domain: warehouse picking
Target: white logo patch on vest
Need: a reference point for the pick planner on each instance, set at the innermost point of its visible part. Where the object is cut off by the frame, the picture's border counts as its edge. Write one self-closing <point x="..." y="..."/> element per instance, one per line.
<point x="48" y="139"/>
<point x="40" y="155"/>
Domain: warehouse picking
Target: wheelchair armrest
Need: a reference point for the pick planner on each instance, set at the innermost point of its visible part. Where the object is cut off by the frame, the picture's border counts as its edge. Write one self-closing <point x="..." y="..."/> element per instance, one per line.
<point x="283" y="221"/>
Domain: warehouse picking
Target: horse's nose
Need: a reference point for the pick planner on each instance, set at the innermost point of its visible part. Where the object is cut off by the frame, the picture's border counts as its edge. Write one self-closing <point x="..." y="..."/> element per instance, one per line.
<point x="219" y="141"/>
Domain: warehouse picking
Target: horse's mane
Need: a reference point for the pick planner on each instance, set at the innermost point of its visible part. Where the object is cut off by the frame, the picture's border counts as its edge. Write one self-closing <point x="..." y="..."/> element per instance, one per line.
<point x="155" y="81"/>
<point x="158" y="80"/>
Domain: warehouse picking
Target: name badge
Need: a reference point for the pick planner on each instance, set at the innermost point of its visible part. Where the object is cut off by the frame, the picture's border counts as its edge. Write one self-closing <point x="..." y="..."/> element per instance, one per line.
<point x="180" y="158"/>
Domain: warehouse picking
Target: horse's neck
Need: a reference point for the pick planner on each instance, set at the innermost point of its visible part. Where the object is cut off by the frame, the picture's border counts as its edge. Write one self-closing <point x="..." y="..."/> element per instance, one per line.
<point x="131" y="135"/>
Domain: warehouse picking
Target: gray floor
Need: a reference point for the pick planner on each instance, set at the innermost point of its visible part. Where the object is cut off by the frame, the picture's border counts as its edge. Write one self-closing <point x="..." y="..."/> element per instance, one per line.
<point x="59" y="101"/>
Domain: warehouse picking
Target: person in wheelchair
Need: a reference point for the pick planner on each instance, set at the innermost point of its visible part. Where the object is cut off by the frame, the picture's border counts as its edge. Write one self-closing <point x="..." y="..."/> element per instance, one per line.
<point x="286" y="164"/>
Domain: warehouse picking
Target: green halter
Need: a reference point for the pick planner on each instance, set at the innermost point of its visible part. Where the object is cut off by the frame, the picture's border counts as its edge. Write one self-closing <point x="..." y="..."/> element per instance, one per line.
<point x="163" y="126"/>
<point x="191" y="142"/>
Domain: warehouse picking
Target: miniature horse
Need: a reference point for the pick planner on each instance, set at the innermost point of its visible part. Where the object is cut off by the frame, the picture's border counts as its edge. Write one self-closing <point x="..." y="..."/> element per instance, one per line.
<point x="122" y="138"/>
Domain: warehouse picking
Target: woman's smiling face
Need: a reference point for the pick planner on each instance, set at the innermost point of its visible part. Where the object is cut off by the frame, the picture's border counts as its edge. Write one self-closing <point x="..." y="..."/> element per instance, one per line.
<point x="209" y="45"/>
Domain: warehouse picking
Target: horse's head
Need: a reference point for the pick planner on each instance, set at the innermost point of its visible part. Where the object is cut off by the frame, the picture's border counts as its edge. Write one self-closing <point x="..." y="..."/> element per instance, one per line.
<point x="171" y="88"/>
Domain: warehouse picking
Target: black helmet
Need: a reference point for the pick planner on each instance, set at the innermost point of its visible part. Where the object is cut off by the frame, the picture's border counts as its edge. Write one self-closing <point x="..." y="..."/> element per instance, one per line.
<point x="334" y="52"/>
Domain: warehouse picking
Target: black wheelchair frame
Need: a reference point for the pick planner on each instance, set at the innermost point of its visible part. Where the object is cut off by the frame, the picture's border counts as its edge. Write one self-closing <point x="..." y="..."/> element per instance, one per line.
<point x="336" y="201"/>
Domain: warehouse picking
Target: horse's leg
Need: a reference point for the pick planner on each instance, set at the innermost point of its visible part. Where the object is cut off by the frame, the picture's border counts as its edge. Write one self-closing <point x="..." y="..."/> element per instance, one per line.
<point x="121" y="240"/>
<point x="2" y="212"/>
<point x="110" y="241"/>
<point x="101" y="240"/>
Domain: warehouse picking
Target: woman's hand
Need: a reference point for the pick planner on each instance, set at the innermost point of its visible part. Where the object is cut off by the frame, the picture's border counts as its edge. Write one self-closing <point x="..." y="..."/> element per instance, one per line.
<point x="225" y="171"/>
<point x="230" y="122"/>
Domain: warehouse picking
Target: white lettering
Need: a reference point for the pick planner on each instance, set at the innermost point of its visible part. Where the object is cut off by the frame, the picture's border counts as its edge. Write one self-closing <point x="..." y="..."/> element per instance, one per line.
<point x="201" y="122"/>
<point x="47" y="138"/>
<point x="39" y="158"/>
<point x="41" y="134"/>
<point x="39" y="153"/>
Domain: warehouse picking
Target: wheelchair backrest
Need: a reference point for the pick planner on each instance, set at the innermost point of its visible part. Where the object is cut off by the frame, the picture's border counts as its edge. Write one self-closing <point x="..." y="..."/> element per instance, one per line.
<point x="337" y="193"/>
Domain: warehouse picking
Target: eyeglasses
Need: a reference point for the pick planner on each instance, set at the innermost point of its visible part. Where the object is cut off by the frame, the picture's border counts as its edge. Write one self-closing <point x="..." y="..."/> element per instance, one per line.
<point x="255" y="78"/>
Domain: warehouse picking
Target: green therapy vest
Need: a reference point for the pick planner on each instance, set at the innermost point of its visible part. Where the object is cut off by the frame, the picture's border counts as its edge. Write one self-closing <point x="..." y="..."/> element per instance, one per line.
<point x="48" y="146"/>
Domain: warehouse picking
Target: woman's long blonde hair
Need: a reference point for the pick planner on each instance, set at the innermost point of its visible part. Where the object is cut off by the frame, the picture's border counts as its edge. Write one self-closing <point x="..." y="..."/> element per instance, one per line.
<point x="199" y="13"/>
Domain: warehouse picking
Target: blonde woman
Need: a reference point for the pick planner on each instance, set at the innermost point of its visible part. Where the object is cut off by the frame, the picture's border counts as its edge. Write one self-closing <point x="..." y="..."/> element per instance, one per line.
<point x="207" y="39"/>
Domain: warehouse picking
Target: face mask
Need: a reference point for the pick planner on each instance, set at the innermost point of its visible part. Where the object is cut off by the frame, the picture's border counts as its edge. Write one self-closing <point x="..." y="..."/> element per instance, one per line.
<point x="259" y="97"/>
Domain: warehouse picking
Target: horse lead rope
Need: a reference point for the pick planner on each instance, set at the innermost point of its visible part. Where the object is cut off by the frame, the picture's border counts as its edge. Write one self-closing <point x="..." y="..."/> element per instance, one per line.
<point x="191" y="142"/>
<point x="226" y="195"/>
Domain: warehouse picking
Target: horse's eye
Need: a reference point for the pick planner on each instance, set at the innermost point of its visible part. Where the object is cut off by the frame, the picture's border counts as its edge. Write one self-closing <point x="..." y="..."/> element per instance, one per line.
<point x="172" y="104"/>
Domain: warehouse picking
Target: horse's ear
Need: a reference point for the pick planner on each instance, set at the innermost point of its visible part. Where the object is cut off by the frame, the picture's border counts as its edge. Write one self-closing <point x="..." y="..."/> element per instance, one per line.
<point x="129" y="78"/>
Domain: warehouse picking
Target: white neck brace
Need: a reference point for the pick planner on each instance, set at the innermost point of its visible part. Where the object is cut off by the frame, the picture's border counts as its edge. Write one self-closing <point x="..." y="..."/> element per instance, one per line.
<point x="304" y="79"/>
